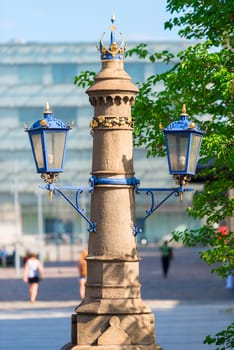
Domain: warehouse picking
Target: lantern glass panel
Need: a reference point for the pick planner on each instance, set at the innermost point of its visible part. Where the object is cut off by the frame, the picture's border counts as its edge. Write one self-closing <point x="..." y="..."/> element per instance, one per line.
<point x="177" y="149"/>
<point x="195" y="144"/>
<point x="55" y="143"/>
<point x="38" y="150"/>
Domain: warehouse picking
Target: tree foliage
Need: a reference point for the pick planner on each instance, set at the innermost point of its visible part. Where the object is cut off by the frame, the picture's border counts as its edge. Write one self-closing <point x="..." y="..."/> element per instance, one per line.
<point x="223" y="339"/>
<point x="202" y="77"/>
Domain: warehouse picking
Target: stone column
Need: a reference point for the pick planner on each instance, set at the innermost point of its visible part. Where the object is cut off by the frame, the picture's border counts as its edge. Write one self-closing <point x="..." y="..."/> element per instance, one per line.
<point x="112" y="315"/>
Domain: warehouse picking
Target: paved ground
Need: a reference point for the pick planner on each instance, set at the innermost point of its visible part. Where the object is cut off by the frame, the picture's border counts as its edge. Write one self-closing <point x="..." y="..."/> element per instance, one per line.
<point x="188" y="305"/>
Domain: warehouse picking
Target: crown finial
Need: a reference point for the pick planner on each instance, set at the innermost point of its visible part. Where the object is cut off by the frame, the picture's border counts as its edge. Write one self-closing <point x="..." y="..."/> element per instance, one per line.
<point x="113" y="18"/>
<point x="113" y="52"/>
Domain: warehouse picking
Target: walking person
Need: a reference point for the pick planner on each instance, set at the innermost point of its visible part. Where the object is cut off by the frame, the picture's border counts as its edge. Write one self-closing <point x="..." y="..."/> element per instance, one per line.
<point x="82" y="268"/>
<point x="166" y="256"/>
<point x="33" y="271"/>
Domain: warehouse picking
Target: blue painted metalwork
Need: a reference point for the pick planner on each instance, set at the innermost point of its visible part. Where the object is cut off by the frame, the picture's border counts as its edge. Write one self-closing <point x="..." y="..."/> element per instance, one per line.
<point x="177" y="191"/>
<point x="183" y="128"/>
<point x="132" y="181"/>
<point x="183" y="141"/>
<point x="45" y="131"/>
<point x="76" y="205"/>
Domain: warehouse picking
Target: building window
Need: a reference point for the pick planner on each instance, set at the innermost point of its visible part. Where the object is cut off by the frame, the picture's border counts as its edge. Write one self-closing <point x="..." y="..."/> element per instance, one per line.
<point x="29" y="114"/>
<point x="93" y="67"/>
<point x="66" y="114"/>
<point x="30" y="73"/>
<point x="7" y="74"/>
<point x="136" y="71"/>
<point x="64" y="73"/>
<point x="162" y="67"/>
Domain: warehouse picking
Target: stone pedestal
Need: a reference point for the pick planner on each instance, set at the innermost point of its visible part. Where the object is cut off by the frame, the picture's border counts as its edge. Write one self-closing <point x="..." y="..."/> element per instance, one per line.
<point x="113" y="315"/>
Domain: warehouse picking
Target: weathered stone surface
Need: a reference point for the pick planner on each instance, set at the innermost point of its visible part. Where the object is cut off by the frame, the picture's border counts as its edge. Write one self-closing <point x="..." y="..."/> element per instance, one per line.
<point x="114" y="154"/>
<point x="112" y="347"/>
<point x="114" y="335"/>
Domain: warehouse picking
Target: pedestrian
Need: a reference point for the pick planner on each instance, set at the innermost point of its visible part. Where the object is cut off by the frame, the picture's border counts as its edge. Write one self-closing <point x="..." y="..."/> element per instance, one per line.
<point x="82" y="269"/>
<point x="33" y="271"/>
<point x="166" y="256"/>
<point x="3" y="256"/>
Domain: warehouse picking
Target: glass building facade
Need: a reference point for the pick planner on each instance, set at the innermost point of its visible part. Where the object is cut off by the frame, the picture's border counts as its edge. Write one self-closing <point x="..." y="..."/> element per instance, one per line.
<point x="30" y="75"/>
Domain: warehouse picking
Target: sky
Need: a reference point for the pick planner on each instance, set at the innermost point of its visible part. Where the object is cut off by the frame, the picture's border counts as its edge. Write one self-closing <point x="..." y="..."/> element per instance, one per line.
<point x="82" y="20"/>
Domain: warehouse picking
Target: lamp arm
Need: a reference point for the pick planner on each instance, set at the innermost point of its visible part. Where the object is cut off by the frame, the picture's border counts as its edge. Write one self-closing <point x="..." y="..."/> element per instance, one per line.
<point x="76" y="206"/>
<point x="177" y="191"/>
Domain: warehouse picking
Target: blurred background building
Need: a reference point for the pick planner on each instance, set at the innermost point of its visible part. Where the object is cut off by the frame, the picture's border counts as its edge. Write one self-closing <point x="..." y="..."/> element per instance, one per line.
<point x="30" y="75"/>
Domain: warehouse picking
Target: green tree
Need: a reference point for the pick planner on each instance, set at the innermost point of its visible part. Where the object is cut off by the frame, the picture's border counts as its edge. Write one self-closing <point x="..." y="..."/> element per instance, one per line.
<point x="202" y="77"/>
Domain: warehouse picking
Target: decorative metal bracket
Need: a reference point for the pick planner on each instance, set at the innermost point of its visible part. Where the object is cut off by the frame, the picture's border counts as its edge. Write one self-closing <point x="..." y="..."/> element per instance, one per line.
<point x="134" y="182"/>
<point x="177" y="191"/>
<point x="60" y="190"/>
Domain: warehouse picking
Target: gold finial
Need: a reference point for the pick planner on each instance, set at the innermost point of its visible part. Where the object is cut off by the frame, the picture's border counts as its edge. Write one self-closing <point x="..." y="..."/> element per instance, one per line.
<point x="47" y="108"/>
<point x="113" y="27"/>
<point x="184" y="112"/>
<point x="72" y="124"/>
<point x="50" y="195"/>
<point x="161" y="126"/>
<point x="43" y="122"/>
<point x="192" y="125"/>
<point x="184" y="108"/>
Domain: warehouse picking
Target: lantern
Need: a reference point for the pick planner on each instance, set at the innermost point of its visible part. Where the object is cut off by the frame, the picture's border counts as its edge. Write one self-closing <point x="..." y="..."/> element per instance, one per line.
<point x="48" y="138"/>
<point x="183" y="141"/>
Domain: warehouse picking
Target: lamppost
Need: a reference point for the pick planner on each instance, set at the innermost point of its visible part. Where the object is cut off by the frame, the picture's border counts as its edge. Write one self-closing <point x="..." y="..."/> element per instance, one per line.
<point x="112" y="316"/>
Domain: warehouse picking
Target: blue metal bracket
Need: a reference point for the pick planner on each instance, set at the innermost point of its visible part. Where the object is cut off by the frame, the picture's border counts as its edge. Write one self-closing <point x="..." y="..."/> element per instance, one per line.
<point x="76" y="206"/>
<point x="134" y="182"/>
<point x="177" y="191"/>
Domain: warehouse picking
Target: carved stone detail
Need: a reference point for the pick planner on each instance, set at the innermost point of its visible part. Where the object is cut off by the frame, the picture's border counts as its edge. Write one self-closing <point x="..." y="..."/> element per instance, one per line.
<point x="114" y="335"/>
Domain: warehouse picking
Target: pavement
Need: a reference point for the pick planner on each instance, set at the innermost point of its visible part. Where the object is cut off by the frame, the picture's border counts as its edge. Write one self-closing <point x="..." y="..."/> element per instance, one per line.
<point x="190" y="304"/>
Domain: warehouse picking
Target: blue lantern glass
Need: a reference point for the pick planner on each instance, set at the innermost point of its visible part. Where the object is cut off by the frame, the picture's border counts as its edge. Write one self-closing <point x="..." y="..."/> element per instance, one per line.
<point x="183" y="140"/>
<point x="48" y="138"/>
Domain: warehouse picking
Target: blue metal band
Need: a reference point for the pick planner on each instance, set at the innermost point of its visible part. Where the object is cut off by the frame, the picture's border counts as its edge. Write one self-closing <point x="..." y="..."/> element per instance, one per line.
<point x="132" y="181"/>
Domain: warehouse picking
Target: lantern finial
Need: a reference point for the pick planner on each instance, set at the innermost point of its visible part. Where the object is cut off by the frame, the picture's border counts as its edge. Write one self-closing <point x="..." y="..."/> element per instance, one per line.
<point x="47" y="108"/>
<point x="184" y="112"/>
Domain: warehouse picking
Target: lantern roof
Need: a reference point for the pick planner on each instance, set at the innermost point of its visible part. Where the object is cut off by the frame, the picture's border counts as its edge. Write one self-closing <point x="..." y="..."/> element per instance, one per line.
<point x="183" y="124"/>
<point x="114" y="51"/>
<point x="48" y="121"/>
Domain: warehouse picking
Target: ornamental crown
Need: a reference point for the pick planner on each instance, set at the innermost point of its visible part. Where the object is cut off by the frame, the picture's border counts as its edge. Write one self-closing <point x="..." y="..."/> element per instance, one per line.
<point x="113" y="52"/>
